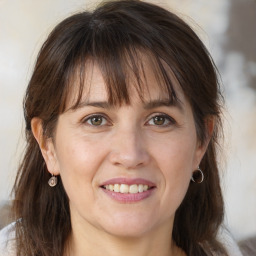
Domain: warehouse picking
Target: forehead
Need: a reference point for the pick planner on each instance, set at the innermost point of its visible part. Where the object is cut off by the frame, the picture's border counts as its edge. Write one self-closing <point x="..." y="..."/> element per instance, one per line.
<point x="146" y="85"/>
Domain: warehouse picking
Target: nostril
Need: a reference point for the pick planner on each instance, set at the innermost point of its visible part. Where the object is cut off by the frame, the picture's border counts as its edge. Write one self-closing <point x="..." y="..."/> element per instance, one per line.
<point x="129" y="159"/>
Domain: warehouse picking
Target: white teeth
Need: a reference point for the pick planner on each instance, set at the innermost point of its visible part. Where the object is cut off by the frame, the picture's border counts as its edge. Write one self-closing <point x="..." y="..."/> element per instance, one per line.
<point x="116" y="187"/>
<point x="140" y="188"/>
<point x="145" y="187"/>
<point x="133" y="189"/>
<point x="124" y="188"/>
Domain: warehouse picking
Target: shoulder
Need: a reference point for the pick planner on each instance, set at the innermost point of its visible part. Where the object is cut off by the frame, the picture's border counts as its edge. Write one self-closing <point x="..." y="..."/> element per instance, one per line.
<point x="7" y="240"/>
<point x="225" y="237"/>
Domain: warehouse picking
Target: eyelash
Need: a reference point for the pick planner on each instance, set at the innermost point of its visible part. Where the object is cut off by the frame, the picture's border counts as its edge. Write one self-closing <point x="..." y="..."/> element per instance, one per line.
<point x="166" y="118"/>
<point x="101" y="116"/>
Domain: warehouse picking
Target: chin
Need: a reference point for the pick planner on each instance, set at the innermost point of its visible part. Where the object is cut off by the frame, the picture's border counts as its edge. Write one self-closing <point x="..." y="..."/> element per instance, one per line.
<point x="128" y="233"/>
<point x="128" y="226"/>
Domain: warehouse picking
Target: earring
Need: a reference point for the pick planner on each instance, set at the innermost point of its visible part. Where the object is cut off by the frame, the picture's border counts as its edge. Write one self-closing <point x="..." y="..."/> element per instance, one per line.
<point x="53" y="181"/>
<point x="197" y="176"/>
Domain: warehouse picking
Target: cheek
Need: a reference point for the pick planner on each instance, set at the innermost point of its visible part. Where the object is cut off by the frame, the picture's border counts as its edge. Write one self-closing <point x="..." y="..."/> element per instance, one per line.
<point x="78" y="168"/>
<point x="76" y="151"/>
<point x="175" y="158"/>
<point x="175" y="154"/>
<point x="78" y="161"/>
<point x="176" y="167"/>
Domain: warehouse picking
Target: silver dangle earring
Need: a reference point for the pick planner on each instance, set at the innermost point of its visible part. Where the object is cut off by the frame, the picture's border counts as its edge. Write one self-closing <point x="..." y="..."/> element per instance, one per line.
<point x="53" y="181"/>
<point x="197" y="176"/>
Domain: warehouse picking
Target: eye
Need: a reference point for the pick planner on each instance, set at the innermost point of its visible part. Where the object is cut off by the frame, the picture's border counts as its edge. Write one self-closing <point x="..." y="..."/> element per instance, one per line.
<point x="161" y="120"/>
<point x="96" y="120"/>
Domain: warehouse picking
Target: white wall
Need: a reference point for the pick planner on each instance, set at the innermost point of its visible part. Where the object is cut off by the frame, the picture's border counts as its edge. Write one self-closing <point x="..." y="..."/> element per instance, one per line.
<point x="23" y="27"/>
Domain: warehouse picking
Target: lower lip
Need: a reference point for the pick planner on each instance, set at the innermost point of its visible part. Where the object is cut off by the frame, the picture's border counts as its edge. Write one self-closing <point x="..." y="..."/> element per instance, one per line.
<point x="129" y="198"/>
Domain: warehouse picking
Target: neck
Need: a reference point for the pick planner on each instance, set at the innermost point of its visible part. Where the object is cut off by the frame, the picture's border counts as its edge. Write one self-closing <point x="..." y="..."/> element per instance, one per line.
<point x="96" y="242"/>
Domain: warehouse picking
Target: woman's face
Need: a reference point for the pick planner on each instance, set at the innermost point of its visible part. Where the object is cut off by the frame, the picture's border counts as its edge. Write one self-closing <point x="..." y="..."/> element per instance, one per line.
<point x="125" y="169"/>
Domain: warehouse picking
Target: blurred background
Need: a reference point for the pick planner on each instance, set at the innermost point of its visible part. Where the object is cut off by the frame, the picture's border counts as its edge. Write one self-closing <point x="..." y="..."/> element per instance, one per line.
<point x="227" y="27"/>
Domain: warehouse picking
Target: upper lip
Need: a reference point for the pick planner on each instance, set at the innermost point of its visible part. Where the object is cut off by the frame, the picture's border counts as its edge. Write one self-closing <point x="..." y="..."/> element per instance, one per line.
<point x="128" y="181"/>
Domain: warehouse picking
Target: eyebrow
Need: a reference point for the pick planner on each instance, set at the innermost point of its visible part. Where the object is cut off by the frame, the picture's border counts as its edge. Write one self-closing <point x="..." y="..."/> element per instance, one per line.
<point x="164" y="103"/>
<point x="146" y="105"/>
<point x="97" y="104"/>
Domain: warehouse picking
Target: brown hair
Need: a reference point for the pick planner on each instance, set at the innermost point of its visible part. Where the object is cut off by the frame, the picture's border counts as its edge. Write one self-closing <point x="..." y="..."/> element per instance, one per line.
<point x="114" y="36"/>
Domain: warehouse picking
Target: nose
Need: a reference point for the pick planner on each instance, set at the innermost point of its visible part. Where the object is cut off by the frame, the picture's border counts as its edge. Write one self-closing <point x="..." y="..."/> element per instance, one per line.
<point x="129" y="150"/>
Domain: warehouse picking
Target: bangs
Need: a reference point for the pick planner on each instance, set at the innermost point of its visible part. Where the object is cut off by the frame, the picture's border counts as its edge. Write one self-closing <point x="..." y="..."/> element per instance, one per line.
<point x="123" y="70"/>
<point x="122" y="53"/>
<point x="127" y="44"/>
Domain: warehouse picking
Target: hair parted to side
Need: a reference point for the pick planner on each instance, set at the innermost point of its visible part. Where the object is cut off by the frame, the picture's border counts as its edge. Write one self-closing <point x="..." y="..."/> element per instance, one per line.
<point x="115" y="36"/>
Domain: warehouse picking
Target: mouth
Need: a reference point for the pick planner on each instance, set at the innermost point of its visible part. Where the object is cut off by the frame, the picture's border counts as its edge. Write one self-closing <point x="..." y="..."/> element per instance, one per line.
<point x="127" y="189"/>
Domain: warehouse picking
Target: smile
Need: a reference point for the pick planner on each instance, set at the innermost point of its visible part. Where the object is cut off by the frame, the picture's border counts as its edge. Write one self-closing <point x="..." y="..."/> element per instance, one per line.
<point x="127" y="189"/>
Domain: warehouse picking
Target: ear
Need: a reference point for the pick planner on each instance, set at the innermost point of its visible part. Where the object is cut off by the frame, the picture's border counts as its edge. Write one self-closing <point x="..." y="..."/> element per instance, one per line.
<point x="46" y="146"/>
<point x="202" y="146"/>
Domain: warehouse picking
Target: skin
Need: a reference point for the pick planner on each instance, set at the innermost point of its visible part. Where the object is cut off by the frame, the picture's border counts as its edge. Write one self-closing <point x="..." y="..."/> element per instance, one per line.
<point x="128" y="142"/>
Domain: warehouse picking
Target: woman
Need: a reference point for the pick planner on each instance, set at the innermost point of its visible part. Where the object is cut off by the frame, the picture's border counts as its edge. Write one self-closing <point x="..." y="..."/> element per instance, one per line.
<point x="122" y="120"/>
